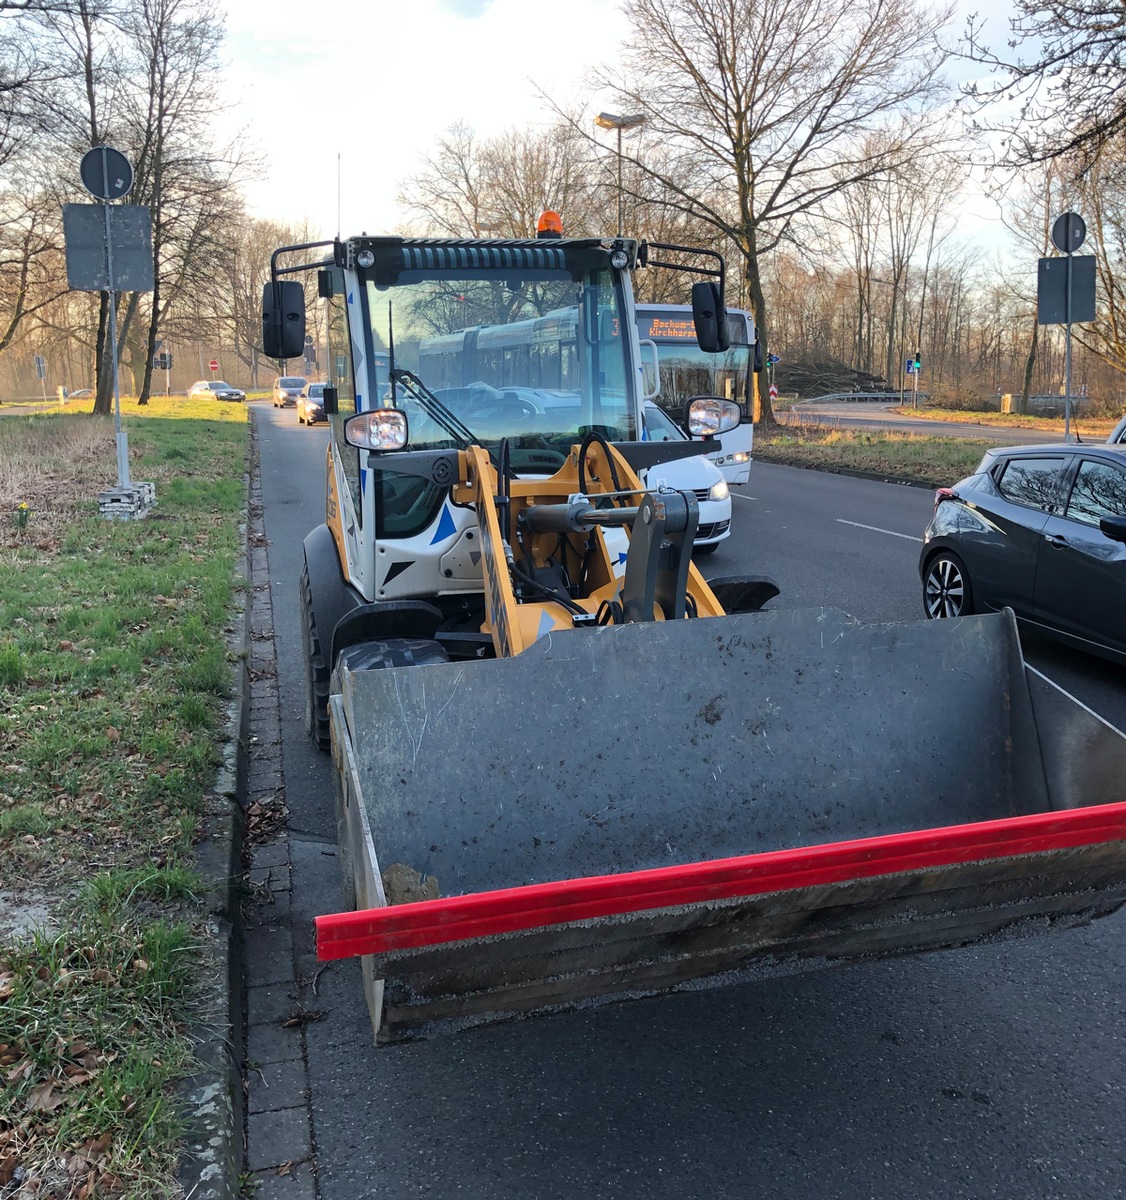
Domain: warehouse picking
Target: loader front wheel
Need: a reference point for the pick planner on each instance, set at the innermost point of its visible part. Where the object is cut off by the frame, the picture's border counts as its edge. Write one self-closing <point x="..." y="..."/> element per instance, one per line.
<point x="316" y="669"/>
<point x="946" y="587"/>
<point x="393" y="652"/>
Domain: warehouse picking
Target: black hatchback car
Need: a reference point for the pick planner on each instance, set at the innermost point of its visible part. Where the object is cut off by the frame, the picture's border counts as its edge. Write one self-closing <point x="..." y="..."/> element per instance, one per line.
<point x="1040" y="530"/>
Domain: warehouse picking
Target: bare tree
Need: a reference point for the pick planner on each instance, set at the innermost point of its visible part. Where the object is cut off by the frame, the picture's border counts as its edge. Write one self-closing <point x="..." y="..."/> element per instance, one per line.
<point x="1071" y="83"/>
<point x="764" y="107"/>
<point x="471" y="187"/>
<point x="1102" y="193"/>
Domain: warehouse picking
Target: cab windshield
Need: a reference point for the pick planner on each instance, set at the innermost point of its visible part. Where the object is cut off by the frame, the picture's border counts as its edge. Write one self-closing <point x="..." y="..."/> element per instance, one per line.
<point x="533" y="353"/>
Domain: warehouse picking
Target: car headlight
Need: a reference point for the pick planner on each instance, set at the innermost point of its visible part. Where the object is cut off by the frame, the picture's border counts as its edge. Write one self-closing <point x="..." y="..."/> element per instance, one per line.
<point x="719" y="491"/>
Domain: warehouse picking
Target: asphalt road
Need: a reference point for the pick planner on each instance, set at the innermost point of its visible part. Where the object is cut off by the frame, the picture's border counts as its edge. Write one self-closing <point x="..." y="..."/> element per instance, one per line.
<point x="993" y="1072"/>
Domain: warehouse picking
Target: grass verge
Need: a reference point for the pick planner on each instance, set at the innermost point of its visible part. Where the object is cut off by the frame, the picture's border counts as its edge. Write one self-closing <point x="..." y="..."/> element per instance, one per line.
<point x="114" y="672"/>
<point x="1088" y="428"/>
<point x="916" y="458"/>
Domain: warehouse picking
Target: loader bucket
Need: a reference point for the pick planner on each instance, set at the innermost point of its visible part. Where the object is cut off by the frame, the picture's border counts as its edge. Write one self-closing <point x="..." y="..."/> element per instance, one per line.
<point x="631" y="809"/>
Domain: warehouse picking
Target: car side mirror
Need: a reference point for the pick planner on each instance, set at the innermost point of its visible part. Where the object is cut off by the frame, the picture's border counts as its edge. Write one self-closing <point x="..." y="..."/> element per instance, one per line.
<point x="710" y="317"/>
<point x="283" y="319"/>
<point x="329" y="401"/>
<point x="1114" y="528"/>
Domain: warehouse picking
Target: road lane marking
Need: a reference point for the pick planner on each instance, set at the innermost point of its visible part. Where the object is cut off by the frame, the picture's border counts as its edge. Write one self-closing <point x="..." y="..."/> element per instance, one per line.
<point x="877" y="529"/>
<point x="743" y="497"/>
<point x="1060" y="688"/>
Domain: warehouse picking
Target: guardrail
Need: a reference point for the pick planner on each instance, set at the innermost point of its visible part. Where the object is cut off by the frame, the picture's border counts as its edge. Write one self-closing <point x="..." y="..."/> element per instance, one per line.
<point x="848" y="397"/>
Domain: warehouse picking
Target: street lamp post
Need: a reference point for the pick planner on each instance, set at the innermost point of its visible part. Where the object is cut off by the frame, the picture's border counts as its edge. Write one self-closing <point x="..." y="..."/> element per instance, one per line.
<point x="610" y="121"/>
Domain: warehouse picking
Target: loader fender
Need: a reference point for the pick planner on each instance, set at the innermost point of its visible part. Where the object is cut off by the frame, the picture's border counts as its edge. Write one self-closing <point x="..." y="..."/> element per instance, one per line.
<point x="341" y="613"/>
<point x="743" y="593"/>
<point x="386" y="619"/>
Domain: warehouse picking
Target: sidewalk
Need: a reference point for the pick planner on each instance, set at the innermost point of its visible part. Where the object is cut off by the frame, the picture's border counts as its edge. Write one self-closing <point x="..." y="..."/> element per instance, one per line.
<point x="280" y="1149"/>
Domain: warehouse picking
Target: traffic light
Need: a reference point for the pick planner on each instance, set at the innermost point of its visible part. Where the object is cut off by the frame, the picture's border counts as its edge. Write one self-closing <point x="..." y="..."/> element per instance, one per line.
<point x="918" y="363"/>
<point x="168" y="361"/>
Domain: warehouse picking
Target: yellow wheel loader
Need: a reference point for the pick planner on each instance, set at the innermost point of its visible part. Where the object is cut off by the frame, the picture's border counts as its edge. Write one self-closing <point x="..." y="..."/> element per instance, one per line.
<point x="569" y="770"/>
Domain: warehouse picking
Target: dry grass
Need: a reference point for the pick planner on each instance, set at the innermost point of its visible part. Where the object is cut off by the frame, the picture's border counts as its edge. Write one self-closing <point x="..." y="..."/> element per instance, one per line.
<point x="51" y="463"/>
<point x="1090" y="428"/>
<point x="887" y="454"/>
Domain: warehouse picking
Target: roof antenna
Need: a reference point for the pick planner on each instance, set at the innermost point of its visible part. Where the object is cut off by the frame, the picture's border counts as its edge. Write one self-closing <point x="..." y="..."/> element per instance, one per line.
<point x="338" y="195"/>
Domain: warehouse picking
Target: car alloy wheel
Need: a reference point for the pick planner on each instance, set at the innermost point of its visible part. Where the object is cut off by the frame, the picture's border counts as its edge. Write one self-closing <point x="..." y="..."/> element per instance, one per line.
<point x="946" y="589"/>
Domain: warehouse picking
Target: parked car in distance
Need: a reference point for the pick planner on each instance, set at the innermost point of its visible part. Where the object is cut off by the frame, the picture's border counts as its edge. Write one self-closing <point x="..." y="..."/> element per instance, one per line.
<point x="81" y="394"/>
<point x="1118" y="433"/>
<point x="697" y="474"/>
<point x="216" y="389"/>
<point x="311" y="404"/>
<point x="286" y="389"/>
<point x="1040" y="530"/>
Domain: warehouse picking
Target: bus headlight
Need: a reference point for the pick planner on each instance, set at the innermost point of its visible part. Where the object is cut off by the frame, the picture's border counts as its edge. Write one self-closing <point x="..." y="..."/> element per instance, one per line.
<point x="719" y="491"/>
<point x="380" y="429"/>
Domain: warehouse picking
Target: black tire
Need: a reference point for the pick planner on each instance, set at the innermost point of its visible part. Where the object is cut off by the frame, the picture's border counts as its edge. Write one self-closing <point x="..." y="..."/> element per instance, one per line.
<point x="711" y="548"/>
<point x="392" y="652"/>
<point x="947" y="591"/>
<point x="316" y="669"/>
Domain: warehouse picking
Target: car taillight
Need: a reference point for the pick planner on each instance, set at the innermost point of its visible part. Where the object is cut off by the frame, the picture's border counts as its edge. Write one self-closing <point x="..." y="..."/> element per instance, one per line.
<point x="943" y="494"/>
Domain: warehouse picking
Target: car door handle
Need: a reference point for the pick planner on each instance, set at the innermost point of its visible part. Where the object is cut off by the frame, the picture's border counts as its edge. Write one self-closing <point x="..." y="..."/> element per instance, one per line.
<point x="1054" y="539"/>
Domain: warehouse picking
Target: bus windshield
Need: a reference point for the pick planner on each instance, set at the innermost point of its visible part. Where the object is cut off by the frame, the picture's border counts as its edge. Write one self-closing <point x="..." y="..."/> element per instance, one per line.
<point x="685" y="369"/>
<point x="530" y="352"/>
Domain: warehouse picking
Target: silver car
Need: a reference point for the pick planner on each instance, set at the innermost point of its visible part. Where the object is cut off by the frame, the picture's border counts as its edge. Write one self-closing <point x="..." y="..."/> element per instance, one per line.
<point x="216" y="389"/>
<point x="286" y="389"/>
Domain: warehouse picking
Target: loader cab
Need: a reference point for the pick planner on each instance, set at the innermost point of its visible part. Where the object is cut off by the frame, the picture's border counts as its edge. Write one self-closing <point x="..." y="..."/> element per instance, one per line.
<point x="528" y="342"/>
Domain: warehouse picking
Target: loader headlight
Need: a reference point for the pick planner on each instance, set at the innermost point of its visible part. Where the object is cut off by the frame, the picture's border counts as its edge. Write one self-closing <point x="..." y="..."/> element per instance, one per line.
<point x="719" y="491"/>
<point x="365" y="258"/>
<point x="709" y="415"/>
<point x="380" y="429"/>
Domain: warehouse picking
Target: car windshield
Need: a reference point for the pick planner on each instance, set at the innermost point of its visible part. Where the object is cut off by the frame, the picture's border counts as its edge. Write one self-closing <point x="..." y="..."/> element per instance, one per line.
<point x="291" y="383"/>
<point x="218" y="385"/>
<point x="531" y="351"/>
<point x="659" y="427"/>
<point x="316" y="390"/>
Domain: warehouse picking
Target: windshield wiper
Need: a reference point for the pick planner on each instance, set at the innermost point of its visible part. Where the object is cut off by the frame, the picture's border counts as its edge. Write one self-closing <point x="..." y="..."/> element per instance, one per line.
<point x="435" y="408"/>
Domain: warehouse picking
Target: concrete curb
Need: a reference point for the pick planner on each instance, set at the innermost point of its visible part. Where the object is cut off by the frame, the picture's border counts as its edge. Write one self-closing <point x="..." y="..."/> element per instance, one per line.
<point x="211" y="1162"/>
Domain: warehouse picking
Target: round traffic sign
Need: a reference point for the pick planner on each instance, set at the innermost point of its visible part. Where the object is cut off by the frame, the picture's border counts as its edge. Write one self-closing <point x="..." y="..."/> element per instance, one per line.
<point x="214" y="364"/>
<point x="1069" y="232"/>
<point x="106" y="173"/>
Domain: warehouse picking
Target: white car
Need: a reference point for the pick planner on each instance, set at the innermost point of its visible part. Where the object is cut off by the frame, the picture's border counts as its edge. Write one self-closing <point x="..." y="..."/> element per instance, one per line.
<point x="697" y="474"/>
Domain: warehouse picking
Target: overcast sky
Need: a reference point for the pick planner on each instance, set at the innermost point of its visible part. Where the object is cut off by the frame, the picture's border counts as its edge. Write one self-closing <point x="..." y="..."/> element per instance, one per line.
<point x="378" y="83"/>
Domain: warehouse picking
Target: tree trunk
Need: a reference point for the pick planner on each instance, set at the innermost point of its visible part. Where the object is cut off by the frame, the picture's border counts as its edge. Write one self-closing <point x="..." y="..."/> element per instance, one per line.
<point x="763" y="409"/>
<point x="103" y="379"/>
<point x="1029" y="367"/>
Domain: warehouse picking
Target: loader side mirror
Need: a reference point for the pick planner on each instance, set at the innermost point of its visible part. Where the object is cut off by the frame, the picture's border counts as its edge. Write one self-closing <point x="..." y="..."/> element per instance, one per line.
<point x="283" y="319"/>
<point x="709" y="316"/>
<point x="758" y="364"/>
<point x="330" y="400"/>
